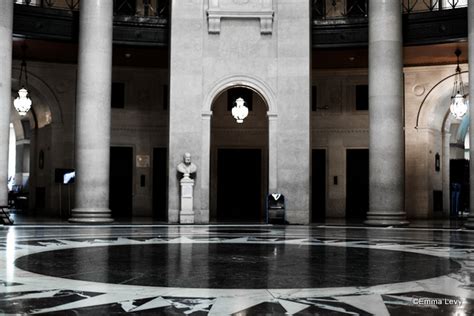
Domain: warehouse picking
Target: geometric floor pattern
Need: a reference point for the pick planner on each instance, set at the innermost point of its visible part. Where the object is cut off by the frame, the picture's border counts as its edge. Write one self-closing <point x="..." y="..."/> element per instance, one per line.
<point x="82" y="270"/>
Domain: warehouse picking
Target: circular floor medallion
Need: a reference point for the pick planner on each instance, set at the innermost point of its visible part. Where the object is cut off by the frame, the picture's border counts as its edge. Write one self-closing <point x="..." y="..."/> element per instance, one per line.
<point x="236" y="265"/>
<point x="238" y="231"/>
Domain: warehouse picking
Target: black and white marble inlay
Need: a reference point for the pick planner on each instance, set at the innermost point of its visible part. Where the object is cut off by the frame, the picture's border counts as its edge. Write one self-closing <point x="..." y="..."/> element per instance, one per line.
<point x="31" y="301"/>
<point x="201" y="270"/>
<point x="253" y="266"/>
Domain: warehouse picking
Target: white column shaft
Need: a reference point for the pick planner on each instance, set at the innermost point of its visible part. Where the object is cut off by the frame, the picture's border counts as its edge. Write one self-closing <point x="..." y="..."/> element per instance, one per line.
<point x="93" y="112"/>
<point x="386" y="144"/>
<point x="6" y="26"/>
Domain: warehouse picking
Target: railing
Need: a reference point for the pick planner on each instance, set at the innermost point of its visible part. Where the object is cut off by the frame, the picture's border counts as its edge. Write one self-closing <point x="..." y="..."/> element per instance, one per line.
<point x="331" y="9"/>
<point x="337" y="9"/>
<point x="412" y="6"/>
<point x="139" y="8"/>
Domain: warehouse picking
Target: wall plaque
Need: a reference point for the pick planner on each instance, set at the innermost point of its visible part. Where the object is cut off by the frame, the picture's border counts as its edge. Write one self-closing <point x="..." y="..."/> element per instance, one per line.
<point x="143" y="161"/>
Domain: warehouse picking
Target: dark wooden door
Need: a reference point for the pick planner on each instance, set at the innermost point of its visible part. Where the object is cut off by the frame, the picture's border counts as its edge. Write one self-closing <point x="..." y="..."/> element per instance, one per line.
<point x="318" y="188"/>
<point x="357" y="183"/>
<point x="239" y="183"/>
<point x="121" y="181"/>
<point x="160" y="184"/>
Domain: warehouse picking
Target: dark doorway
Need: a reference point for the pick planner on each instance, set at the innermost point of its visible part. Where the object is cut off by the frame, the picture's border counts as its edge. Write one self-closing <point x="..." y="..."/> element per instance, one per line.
<point x="459" y="176"/>
<point x="318" y="187"/>
<point x="239" y="185"/>
<point x="357" y="183"/>
<point x="160" y="184"/>
<point x="121" y="181"/>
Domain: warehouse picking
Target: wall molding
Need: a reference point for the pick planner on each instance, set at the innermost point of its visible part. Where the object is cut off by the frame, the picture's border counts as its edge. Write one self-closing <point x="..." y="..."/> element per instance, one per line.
<point x="146" y="129"/>
<point x="240" y="10"/>
<point x="339" y="130"/>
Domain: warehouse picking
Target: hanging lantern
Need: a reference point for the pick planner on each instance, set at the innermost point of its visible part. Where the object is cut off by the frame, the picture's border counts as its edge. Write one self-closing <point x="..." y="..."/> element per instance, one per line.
<point x="458" y="105"/>
<point x="240" y="111"/>
<point x="22" y="103"/>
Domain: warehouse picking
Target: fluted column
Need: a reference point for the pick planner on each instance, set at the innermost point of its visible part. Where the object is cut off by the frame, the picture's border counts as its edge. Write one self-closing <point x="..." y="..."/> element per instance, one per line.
<point x="386" y="144"/>
<point x="470" y="15"/>
<point x="6" y="26"/>
<point x="93" y="112"/>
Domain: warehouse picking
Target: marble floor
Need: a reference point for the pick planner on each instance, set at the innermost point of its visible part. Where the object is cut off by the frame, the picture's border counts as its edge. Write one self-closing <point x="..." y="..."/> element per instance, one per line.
<point x="65" y="269"/>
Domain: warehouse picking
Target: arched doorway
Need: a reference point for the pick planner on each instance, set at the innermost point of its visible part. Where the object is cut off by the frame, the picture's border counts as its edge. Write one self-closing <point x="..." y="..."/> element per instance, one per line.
<point x="438" y="132"/>
<point x="457" y="137"/>
<point x="11" y="157"/>
<point x="35" y="148"/>
<point x="19" y="160"/>
<point x="238" y="158"/>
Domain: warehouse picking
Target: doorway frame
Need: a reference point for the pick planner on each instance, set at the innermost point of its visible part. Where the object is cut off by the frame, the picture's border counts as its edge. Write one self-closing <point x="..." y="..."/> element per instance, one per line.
<point x="326" y="181"/>
<point x="134" y="173"/>
<point x="268" y="96"/>
<point x="263" y="177"/>
<point x="347" y="176"/>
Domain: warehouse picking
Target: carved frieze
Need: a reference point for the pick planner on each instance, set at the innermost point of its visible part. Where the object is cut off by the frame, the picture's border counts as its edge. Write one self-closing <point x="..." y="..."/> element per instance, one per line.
<point x="240" y="9"/>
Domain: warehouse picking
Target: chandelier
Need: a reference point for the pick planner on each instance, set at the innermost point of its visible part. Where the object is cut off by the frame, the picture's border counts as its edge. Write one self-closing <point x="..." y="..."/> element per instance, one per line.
<point x="240" y="111"/>
<point x="22" y="103"/>
<point x="458" y="105"/>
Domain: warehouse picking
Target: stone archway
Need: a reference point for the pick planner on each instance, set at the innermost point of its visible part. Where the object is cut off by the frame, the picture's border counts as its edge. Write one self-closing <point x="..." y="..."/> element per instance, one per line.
<point x="266" y="93"/>
<point x="35" y="134"/>
<point x="45" y="103"/>
<point x="435" y="127"/>
<point x="239" y="158"/>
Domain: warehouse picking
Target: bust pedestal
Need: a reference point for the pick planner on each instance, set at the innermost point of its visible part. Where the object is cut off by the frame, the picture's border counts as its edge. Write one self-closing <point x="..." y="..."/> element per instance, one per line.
<point x="186" y="215"/>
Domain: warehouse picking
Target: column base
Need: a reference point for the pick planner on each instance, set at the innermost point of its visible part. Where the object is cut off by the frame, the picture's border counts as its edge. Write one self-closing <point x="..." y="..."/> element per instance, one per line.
<point x="386" y="219"/>
<point x="470" y="223"/>
<point x="91" y="215"/>
<point x="186" y="218"/>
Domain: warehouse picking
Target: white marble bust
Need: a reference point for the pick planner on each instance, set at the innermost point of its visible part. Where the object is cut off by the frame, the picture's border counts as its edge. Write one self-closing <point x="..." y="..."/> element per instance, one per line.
<point x="186" y="167"/>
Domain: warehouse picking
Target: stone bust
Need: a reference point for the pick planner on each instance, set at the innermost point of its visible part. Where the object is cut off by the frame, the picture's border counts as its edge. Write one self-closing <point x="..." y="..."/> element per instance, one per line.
<point x="186" y="167"/>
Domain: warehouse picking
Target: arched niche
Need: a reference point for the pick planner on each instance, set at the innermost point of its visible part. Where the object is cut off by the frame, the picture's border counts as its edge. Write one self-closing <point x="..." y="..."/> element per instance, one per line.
<point x="239" y="158"/>
<point x="261" y="88"/>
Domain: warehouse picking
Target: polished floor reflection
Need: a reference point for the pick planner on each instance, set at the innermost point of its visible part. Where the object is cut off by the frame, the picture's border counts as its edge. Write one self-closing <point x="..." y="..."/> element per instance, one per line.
<point x="235" y="270"/>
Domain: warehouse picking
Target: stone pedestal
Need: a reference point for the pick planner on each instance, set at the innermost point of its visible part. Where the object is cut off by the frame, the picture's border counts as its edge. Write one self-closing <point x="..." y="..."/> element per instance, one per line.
<point x="186" y="214"/>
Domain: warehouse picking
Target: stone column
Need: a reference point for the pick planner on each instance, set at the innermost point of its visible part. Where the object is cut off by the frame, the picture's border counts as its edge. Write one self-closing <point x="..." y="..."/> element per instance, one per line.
<point x="386" y="134"/>
<point x="93" y="112"/>
<point x="470" y="221"/>
<point x="6" y="26"/>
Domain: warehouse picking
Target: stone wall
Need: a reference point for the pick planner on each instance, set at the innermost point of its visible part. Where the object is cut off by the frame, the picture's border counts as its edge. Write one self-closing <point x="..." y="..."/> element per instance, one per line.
<point x="263" y="45"/>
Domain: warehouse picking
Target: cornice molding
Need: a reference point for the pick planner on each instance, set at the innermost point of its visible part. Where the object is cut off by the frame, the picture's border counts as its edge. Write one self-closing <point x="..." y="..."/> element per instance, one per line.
<point x="242" y="11"/>
<point x="340" y="130"/>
